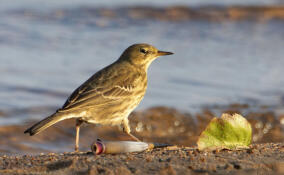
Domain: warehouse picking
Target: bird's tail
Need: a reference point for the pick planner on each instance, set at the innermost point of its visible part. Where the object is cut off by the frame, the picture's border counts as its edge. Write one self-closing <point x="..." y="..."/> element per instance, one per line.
<point x="45" y="123"/>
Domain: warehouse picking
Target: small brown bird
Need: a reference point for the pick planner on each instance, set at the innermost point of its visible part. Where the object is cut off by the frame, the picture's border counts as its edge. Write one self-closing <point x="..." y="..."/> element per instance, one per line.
<point x="110" y="95"/>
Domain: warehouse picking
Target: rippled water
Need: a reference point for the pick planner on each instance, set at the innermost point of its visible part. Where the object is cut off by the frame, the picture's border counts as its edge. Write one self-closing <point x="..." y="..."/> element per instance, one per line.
<point x="8" y="4"/>
<point x="43" y="59"/>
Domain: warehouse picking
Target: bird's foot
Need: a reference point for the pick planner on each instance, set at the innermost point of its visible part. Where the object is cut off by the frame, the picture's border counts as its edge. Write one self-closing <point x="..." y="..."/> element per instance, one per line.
<point x="76" y="150"/>
<point x="133" y="137"/>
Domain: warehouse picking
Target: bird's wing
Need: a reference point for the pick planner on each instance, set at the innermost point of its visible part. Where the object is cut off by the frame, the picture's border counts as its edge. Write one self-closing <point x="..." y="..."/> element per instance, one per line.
<point x="99" y="91"/>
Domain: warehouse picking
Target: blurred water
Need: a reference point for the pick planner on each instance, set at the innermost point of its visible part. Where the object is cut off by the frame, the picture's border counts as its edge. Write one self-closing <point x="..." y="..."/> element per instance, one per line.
<point x="39" y="4"/>
<point x="43" y="59"/>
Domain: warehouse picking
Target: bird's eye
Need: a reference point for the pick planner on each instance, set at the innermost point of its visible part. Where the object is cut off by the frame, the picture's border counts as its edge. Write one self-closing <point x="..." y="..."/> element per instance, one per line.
<point x="143" y="50"/>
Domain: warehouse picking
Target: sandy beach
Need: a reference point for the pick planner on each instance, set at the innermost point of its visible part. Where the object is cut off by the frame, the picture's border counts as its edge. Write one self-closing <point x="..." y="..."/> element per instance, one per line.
<point x="258" y="159"/>
<point x="51" y="151"/>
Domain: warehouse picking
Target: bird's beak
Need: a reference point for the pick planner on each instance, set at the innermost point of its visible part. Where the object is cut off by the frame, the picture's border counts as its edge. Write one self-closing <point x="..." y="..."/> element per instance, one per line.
<point x="162" y="53"/>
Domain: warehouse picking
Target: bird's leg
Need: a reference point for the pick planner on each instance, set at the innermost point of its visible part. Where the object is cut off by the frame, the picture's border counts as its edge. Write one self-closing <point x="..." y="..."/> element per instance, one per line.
<point x="78" y="124"/>
<point x="126" y="129"/>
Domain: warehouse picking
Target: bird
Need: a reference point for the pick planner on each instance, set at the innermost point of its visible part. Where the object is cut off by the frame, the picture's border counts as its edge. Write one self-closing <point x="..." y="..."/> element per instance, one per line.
<point x="108" y="96"/>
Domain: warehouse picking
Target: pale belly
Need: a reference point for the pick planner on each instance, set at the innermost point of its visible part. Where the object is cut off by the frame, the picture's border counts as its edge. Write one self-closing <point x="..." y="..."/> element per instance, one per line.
<point x="115" y="114"/>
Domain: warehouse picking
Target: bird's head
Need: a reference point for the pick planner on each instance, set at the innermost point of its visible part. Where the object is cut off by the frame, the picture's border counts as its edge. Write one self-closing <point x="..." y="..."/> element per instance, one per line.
<point x="142" y="55"/>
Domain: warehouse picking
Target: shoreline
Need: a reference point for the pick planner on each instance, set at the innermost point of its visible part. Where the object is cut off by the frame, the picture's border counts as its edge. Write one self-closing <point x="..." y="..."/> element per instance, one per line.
<point x="174" y="13"/>
<point x="157" y="124"/>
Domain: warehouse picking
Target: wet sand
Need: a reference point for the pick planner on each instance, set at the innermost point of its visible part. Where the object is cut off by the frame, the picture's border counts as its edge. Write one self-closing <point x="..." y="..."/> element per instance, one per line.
<point x="259" y="159"/>
<point x="50" y="152"/>
<point x="158" y="124"/>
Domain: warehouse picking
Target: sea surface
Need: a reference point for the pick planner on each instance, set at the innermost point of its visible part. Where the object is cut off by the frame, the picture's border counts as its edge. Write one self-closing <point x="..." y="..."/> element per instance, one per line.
<point x="45" y="56"/>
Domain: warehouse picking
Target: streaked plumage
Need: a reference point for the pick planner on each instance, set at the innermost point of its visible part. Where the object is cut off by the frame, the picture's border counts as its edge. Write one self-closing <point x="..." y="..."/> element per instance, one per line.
<point x="110" y="95"/>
